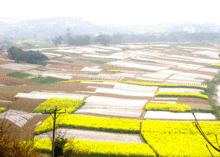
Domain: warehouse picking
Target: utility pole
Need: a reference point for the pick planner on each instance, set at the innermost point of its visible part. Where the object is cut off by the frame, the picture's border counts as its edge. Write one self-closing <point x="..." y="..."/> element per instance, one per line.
<point x="54" y="114"/>
<point x="54" y="131"/>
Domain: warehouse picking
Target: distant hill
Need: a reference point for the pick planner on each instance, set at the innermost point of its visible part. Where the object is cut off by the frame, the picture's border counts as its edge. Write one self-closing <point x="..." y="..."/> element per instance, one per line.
<point x="51" y="27"/>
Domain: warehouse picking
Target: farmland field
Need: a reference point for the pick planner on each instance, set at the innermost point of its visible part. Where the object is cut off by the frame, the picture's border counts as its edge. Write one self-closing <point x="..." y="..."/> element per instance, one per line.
<point x="61" y="104"/>
<point x="170" y="138"/>
<point x="91" y="122"/>
<point x="168" y="107"/>
<point x="123" y="100"/>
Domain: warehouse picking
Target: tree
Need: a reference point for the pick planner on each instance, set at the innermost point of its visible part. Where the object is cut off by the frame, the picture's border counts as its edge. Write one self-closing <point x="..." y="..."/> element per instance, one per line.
<point x="103" y="39"/>
<point x="57" y="40"/>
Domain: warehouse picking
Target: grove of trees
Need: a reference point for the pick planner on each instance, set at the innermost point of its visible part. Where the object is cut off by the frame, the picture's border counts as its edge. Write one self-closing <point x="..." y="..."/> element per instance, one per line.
<point x="33" y="57"/>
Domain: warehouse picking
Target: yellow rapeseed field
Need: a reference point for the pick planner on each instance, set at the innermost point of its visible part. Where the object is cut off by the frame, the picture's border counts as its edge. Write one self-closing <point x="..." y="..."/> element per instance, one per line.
<point x="2" y="109"/>
<point x="91" y="122"/>
<point x="182" y="94"/>
<point x="167" y="107"/>
<point x="142" y="83"/>
<point x="99" y="149"/>
<point x="179" y="138"/>
<point x="163" y="138"/>
<point x="62" y="104"/>
<point x="217" y="65"/>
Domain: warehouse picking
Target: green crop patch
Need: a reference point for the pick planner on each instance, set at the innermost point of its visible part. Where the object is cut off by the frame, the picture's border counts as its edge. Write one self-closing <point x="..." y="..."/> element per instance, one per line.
<point x="45" y="80"/>
<point x="19" y="74"/>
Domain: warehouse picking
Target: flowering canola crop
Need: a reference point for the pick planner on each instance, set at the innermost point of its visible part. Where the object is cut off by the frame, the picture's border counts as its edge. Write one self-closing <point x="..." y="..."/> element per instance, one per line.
<point x="167" y="107"/>
<point x="163" y="138"/>
<point x="142" y="83"/>
<point x="62" y="104"/>
<point x="2" y="109"/>
<point x="91" y="122"/>
<point x="182" y="94"/>
<point x="179" y="138"/>
<point x="99" y="149"/>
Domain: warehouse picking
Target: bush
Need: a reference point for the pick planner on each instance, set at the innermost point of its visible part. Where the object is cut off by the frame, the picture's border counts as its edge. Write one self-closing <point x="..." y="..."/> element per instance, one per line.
<point x="59" y="146"/>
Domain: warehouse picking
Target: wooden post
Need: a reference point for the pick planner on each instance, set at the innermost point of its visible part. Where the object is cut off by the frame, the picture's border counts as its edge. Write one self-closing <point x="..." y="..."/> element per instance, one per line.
<point x="54" y="131"/>
<point x="54" y="114"/>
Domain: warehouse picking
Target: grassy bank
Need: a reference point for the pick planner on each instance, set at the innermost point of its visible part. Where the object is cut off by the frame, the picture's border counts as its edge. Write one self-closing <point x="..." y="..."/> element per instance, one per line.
<point x="211" y="91"/>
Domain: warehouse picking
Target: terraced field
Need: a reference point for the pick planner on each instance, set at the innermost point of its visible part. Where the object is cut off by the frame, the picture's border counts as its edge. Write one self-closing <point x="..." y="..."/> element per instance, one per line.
<point x="131" y="100"/>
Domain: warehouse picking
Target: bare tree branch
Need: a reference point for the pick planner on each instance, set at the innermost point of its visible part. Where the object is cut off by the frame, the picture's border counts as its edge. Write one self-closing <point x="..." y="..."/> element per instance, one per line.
<point x="196" y="123"/>
<point x="216" y="139"/>
<point x="209" y="150"/>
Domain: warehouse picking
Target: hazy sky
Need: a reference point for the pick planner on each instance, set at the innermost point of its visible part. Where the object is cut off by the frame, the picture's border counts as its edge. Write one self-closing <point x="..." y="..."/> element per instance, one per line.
<point x="116" y="11"/>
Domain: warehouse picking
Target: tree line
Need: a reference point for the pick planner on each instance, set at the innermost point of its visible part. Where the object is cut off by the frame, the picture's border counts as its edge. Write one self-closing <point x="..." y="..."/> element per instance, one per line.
<point x="106" y="39"/>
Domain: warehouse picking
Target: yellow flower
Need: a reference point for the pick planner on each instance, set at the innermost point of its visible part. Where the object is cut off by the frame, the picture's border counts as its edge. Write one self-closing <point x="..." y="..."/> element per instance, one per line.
<point x="62" y="104"/>
<point x="168" y="107"/>
<point x="182" y="94"/>
<point x="91" y="122"/>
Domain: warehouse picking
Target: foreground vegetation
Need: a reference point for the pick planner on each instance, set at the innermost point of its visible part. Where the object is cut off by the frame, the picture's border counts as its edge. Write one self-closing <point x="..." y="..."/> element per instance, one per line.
<point x="16" y="148"/>
<point x="168" y="107"/>
<point x="12" y="147"/>
<point x="91" y="123"/>
<point x="61" y="104"/>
